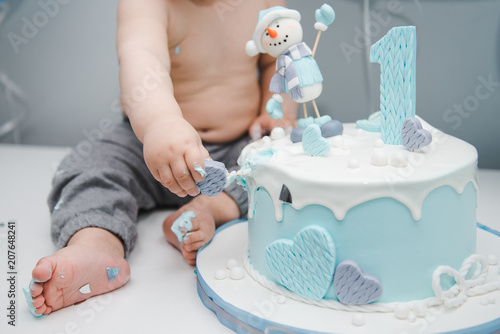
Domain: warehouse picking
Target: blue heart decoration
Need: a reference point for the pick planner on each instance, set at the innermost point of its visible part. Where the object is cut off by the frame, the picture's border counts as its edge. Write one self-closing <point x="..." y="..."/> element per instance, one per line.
<point x="215" y="180"/>
<point x="353" y="287"/>
<point x="312" y="141"/>
<point x="325" y="14"/>
<point x="304" y="265"/>
<point x="413" y="136"/>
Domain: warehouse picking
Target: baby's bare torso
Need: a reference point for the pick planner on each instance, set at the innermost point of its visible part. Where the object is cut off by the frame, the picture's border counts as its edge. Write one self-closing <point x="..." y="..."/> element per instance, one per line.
<point x="215" y="82"/>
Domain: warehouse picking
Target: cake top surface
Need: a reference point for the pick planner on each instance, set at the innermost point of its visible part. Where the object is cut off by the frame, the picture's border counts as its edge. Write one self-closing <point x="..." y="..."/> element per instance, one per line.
<point x="359" y="167"/>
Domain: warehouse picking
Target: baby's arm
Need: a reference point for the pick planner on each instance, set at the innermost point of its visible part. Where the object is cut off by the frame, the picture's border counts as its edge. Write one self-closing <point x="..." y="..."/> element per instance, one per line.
<point x="172" y="147"/>
<point x="264" y="123"/>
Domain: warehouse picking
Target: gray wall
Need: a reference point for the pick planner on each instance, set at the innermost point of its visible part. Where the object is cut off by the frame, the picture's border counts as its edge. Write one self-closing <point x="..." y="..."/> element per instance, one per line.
<point x="70" y="73"/>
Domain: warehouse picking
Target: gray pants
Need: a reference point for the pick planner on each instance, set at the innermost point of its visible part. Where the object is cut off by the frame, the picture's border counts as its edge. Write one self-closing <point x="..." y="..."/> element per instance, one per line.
<point x="108" y="185"/>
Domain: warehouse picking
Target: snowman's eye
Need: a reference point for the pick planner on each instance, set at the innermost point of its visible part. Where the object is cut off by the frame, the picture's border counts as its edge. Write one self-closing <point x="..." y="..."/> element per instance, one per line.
<point x="277" y="26"/>
<point x="267" y="34"/>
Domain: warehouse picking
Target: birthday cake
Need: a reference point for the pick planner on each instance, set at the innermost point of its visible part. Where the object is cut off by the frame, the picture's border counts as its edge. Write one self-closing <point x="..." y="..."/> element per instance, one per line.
<point x="377" y="216"/>
<point x="377" y="210"/>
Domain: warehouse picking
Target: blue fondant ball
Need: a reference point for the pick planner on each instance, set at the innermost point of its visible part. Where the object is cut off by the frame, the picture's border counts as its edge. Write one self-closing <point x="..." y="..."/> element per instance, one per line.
<point x="296" y="135"/>
<point x="332" y="128"/>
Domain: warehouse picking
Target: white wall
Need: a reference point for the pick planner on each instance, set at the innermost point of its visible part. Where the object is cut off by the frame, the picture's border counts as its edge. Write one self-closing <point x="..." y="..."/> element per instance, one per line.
<point x="69" y="68"/>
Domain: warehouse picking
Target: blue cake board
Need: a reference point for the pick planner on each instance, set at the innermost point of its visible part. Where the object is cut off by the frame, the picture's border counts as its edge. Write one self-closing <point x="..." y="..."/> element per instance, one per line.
<point x="243" y="322"/>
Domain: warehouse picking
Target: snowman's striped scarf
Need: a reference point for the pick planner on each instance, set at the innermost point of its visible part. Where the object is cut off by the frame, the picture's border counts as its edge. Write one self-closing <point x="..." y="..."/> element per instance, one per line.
<point x="286" y="70"/>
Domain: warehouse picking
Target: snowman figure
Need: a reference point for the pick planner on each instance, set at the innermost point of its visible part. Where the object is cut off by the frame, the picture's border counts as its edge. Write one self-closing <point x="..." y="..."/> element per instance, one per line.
<point x="279" y="34"/>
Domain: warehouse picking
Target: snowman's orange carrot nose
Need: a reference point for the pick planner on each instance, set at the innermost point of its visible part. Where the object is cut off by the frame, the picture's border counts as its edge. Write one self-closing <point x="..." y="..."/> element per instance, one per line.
<point x="272" y="33"/>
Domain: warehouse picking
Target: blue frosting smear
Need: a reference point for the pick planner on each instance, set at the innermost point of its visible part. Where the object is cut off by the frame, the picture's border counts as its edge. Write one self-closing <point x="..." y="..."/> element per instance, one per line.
<point x="112" y="273"/>
<point x="372" y="124"/>
<point x="183" y="225"/>
<point x="256" y="158"/>
<point x="29" y="301"/>
<point x="200" y="170"/>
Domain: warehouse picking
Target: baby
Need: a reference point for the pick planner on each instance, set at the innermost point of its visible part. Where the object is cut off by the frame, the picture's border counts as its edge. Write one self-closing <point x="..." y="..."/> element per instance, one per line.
<point x="189" y="93"/>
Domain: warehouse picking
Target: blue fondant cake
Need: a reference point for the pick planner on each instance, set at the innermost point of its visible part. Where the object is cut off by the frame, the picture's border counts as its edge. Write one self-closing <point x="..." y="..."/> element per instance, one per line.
<point x="397" y="222"/>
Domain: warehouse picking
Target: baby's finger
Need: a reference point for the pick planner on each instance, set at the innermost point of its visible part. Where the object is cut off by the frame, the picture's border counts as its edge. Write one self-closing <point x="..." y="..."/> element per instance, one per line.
<point x="196" y="164"/>
<point x="168" y="181"/>
<point x="183" y="177"/>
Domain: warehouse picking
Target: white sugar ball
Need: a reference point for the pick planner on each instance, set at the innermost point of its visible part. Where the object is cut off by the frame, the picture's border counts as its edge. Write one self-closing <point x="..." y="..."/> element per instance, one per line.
<point x="266" y="140"/>
<point x="358" y="320"/>
<point x="380" y="157"/>
<point x="281" y="299"/>
<point x="353" y="163"/>
<point x="399" y="159"/>
<point x="492" y="260"/>
<point x="231" y="263"/>
<point x="379" y="143"/>
<point x="360" y="132"/>
<point x="420" y="309"/>
<point x="220" y="274"/>
<point x="491" y="300"/>
<point x="402" y="311"/>
<point x="412" y="317"/>
<point x="237" y="273"/>
<point x="484" y="301"/>
<point x="337" y="141"/>
<point x="278" y="133"/>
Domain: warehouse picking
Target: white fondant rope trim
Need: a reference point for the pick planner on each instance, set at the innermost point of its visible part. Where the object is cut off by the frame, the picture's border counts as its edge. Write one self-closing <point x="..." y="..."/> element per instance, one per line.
<point x="464" y="288"/>
<point x="453" y="297"/>
<point x="332" y="304"/>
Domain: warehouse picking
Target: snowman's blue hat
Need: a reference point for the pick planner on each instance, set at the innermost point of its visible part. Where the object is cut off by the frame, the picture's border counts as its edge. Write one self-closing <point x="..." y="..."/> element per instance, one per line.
<point x="266" y="17"/>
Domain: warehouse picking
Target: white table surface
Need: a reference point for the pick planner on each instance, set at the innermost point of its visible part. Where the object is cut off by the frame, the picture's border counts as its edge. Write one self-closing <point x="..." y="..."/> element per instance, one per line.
<point x="161" y="295"/>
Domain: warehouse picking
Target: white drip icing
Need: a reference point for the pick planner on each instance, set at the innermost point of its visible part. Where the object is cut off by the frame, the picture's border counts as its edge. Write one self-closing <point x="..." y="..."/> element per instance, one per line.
<point x="328" y="180"/>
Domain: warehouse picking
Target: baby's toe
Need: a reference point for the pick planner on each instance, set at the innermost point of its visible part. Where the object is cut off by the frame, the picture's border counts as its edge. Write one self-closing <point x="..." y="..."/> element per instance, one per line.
<point x="35" y="288"/>
<point x="37" y="302"/>
<point x="190" y="257"/>
<point x="195" y="241"/>
<point x="41" y="310"/>
<point x="43" y="270"/>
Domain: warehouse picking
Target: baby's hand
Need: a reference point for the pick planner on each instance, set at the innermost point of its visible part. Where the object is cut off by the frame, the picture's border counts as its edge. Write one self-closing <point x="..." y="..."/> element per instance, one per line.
<point x="173" y="151"/>
<point x="264" y="124"/>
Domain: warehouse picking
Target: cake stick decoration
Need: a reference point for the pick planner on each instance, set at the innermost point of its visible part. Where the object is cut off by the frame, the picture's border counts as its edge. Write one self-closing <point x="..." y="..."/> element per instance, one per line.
<point x="279" y="34"/>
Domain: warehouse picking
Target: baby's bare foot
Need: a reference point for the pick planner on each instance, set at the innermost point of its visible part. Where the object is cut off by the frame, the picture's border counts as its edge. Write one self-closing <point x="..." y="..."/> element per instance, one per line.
<point x="93" y="263"/>
<point x="202" y="231"/>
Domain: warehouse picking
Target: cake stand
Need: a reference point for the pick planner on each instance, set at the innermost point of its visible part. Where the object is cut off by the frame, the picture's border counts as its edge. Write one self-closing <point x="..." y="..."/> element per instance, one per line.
<point x="245" y="306"/>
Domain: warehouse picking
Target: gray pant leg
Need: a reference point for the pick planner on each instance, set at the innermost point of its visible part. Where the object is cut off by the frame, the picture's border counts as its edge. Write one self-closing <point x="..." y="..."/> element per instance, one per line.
<point x="105" y="186"/>
<point x="228" y="154"/>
